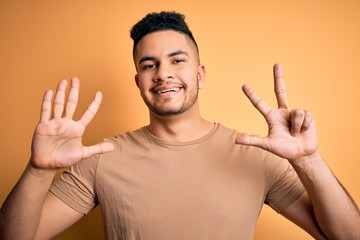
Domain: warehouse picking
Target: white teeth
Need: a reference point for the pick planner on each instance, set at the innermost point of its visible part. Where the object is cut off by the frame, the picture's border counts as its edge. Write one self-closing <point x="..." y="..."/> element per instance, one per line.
<point x="169" y="90"/>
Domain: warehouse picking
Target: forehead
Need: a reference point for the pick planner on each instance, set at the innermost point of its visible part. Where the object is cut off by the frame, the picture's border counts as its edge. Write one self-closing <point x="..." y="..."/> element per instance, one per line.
<point x="161" y="43"/>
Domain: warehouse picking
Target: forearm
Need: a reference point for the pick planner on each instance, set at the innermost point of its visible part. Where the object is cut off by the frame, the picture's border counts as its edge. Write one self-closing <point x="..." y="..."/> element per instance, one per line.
<point x="20" y="213"/>
<point x="335" y="211"/>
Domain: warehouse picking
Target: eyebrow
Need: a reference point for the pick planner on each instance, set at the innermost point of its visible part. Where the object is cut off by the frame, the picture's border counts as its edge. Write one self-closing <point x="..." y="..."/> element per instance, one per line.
<point x="172" y="54"/>
<point x="179" y="52"/>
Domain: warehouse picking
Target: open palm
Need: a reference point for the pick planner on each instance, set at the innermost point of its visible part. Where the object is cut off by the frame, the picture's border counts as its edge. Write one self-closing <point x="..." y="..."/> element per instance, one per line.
<point x="291" y="133"/>
<point x="57" y="140"/>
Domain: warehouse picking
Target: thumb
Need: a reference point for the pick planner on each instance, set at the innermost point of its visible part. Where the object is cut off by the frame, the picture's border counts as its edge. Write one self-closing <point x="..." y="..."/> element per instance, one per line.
<point x="100" y="148"/>
<point x="251" y="140"/>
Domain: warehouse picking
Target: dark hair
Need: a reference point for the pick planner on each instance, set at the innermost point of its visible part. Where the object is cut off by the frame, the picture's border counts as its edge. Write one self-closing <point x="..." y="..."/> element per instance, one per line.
<point x="154" y="22"/>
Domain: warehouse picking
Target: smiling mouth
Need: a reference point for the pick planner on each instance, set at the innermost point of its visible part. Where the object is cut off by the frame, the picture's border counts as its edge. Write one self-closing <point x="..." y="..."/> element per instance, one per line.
<point x="168" y="90"/>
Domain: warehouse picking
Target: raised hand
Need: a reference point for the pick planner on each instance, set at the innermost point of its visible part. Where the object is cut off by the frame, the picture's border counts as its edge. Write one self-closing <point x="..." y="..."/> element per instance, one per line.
<point x="291" y="134"/>
<point x="57" y="140"/>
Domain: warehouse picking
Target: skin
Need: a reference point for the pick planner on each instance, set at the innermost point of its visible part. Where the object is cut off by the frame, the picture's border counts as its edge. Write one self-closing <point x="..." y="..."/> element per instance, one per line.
<point x="325" y="210"/>
<point x="169" y="77"/>
<point x="168" y="60"/>
<point x="168" y="83"/>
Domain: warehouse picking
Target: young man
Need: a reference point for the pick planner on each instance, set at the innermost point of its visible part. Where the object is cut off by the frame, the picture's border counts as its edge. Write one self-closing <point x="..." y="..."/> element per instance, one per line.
<point x="180" y="177"/>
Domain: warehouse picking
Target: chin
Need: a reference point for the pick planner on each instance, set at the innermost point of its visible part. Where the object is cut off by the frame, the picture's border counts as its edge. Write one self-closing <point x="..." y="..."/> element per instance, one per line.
<point x="168" y="113"/>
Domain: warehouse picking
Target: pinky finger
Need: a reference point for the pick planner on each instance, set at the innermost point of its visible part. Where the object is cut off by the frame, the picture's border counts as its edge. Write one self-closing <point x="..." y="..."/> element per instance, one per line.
<point x="46" y="106"/>
<point x="307" y="121"/>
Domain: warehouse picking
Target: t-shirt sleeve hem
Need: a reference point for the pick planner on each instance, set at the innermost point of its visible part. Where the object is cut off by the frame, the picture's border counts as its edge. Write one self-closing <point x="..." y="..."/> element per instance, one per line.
<point x="54" y="189"/>
<point x="288" y="201"/>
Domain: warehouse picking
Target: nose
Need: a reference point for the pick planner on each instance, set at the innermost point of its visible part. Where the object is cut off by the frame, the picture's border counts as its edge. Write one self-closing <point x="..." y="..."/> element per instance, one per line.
<point x="163" y="73"/>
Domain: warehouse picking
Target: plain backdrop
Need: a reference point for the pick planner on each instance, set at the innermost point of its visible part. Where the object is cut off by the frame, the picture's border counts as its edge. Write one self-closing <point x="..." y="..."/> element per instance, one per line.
<point x="42" y="42"/>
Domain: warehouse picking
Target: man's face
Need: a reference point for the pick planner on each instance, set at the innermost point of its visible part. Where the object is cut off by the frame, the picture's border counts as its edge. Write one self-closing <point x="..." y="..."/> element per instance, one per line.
<point x="168" y="72"/>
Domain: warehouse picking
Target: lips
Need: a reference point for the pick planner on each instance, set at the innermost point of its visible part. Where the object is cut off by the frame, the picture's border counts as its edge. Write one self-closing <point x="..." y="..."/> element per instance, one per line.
<point x="169" y="90"/>
<point x="166" y="89"/>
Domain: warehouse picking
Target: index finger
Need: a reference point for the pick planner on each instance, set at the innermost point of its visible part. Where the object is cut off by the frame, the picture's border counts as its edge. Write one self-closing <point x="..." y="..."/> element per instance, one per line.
<point x="91" y="111"/>
<point x="279" y="87"/>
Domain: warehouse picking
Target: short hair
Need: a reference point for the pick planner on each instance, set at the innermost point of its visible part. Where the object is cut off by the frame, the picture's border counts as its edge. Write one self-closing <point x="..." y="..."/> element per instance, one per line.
<point x="154" y="22"/>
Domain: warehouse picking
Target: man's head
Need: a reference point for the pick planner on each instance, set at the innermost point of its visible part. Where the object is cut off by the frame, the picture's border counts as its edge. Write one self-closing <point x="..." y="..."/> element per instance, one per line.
<point x="166" y="57"/>
<point x="154" y="22"/>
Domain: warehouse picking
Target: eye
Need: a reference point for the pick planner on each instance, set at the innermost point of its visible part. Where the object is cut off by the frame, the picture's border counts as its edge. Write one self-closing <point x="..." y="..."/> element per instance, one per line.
<point x="149" y="66"/>
<point x="176" y="61"/>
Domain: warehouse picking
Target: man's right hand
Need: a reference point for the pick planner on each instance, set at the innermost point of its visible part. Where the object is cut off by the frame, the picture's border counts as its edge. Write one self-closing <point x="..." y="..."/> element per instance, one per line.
<point x="57" y="140"/>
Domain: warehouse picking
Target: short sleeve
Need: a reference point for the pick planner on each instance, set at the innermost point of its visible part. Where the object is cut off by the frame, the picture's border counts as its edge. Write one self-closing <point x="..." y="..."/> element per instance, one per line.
<point x="75" y="186"/>
<point x="283" y="183"/>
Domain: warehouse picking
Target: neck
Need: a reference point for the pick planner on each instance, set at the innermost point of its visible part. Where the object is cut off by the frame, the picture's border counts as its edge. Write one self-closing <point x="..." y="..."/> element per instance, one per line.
<point x="187" y="126"/>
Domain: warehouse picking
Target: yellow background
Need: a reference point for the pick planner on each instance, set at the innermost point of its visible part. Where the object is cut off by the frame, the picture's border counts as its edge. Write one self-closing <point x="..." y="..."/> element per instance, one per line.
<point x="318" y="43"/>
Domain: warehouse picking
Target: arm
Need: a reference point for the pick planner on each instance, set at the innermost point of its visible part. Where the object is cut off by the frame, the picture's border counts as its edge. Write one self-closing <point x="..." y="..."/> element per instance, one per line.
<point x="30" y="210"/>
<point x="292" y="135"/>
<point x="335" y="210"/>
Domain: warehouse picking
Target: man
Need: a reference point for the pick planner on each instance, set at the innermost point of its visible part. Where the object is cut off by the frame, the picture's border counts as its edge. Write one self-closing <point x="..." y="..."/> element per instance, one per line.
<point x="180" y="177"/>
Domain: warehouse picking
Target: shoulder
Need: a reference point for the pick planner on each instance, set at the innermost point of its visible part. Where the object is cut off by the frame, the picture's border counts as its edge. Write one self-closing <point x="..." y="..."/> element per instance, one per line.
<point x="223" y="131"/>
<point x="130" y="137"/>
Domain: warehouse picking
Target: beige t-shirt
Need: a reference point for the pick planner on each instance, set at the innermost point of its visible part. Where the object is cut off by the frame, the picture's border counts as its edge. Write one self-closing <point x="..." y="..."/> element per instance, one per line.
<point x="207" y="189"/>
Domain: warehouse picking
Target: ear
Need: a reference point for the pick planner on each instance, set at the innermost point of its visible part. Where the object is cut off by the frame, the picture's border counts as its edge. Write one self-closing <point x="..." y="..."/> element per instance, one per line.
<point x="201" y="75"/>
<point x="137" y="79"/>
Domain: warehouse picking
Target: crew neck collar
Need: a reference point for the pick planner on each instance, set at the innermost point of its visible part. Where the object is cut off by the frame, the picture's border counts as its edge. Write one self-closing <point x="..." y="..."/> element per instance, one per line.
<point x="160" y="141"/>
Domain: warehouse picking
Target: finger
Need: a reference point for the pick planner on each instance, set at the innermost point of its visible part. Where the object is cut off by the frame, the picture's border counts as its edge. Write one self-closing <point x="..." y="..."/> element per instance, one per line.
<point x="100" y="148"/>
<point x="73" y="98"/>
<point x="297" y="118"/>
<point x="59" y="99"/>
<point x="46" y="106"/>
<point x="92" y="109"/>
<point x="252" y="140"/>
<point x="257" y="101"/>
<point x="307" y="121"/>
<point x="279" y="87"/>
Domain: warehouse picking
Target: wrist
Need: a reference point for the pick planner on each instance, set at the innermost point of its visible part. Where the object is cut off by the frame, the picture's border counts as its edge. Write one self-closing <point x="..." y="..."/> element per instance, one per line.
<point x="304" y="162"/>
<point x="40" y="172"/>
